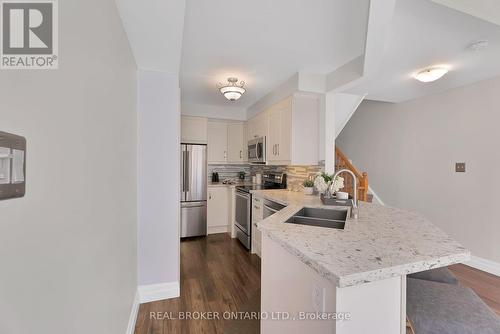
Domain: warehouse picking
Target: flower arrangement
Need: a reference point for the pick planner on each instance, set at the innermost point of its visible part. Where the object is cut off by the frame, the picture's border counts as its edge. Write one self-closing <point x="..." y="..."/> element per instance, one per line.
<point x="325" y="184"/>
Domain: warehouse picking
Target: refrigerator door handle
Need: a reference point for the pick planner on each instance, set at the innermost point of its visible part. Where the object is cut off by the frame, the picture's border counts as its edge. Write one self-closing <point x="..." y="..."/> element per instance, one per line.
<point x="183" y="171"/>
<point x="193" y="204"/>
<point x="187" y="172"/>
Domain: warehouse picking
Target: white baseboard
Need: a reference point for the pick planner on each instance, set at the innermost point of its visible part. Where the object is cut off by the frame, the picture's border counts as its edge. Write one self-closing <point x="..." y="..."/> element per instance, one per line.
<point x="154" y="292"/>
<point x="484" y="265"/>
<point x="133" y="314"/>
<point x="218" y="229"/>
<point x="375" y="196"/>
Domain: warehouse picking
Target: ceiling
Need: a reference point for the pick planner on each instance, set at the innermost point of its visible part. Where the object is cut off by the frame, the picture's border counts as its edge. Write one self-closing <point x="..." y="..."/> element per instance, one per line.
<point x="154" y="29"/>
<point x="264" y="43"/>
<point x="424" y="34"/>
<point x="488" y="10"/>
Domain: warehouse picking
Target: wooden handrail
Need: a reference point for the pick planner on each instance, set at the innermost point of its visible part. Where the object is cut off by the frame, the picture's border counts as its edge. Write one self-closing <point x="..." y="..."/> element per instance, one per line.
<point x="342" y="162"/>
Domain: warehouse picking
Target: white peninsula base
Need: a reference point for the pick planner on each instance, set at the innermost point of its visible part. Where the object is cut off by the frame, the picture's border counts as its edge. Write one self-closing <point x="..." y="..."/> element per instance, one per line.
<point x="291" y="289"/>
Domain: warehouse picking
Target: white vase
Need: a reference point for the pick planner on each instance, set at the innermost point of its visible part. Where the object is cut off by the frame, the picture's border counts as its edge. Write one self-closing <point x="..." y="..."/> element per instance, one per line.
<point x="308" y="190"/>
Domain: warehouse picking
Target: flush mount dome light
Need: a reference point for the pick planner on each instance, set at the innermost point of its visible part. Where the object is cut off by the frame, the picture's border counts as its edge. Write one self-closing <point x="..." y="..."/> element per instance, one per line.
<point x="431" y="74"/>
<point x="232" y="90"/>
<point x="479" y="45"/>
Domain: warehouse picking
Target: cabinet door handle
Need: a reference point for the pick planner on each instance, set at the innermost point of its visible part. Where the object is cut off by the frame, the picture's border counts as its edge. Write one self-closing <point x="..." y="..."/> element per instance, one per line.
<point x="256" y="207"/>
<point x="278" y="149"/>
<point x="241" y="154"/>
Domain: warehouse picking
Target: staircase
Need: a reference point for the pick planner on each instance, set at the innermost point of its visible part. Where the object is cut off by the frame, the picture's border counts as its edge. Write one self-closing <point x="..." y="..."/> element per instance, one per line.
<point x="342" y="162"/>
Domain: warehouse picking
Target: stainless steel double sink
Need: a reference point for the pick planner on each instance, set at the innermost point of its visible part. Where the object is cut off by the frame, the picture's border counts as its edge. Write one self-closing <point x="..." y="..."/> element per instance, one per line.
<point x="330" y="218"/>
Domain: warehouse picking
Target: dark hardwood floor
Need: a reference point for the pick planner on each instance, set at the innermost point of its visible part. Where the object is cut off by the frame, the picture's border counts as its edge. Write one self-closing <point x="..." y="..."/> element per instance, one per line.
<point x="219" y="275"/>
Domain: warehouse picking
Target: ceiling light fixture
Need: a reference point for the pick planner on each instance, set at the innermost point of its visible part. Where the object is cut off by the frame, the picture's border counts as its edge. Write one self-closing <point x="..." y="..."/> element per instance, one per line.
<point x="479" y="45"/>
<point x="431" y="74"/>
<point x="232" y="90"/>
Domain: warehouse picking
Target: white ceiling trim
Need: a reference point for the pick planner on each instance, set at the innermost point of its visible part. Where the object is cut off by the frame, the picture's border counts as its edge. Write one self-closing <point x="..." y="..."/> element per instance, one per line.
<point x="347" y="76"/>
<point x="377" y="35"/>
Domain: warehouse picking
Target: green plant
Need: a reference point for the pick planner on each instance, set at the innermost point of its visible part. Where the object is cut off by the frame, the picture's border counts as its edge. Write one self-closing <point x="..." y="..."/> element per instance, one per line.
<point x="308" y="183"/>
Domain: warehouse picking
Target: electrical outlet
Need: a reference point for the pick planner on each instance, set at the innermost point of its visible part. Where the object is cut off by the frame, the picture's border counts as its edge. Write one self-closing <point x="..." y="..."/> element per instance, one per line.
<point x="460" y="167"/>
<point x="318" y="298"/>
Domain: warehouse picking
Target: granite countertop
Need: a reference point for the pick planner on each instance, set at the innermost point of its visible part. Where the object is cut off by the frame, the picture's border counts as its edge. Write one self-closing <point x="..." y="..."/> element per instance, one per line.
<point x="236" y="184"/>
<point x="383" y="242"/>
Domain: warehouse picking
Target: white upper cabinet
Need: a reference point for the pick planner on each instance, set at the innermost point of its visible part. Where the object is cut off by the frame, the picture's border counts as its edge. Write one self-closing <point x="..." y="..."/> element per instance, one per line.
<point x="194" y="130"/>
<point x="217" y="142"/>
<point x="258" y="126"/>
<point x="280" y="122"/>
<point x="236" y="143"/>
<point x="226" y="142"/>
<point x="293" y="131"/>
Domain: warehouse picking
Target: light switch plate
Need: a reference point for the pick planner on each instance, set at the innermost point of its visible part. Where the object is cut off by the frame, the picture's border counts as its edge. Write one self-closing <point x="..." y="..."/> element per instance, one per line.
<point x="460" y="167"/>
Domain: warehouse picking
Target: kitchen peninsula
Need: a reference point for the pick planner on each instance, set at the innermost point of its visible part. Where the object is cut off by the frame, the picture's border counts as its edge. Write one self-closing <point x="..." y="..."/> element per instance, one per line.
<point x="360" y="270"/>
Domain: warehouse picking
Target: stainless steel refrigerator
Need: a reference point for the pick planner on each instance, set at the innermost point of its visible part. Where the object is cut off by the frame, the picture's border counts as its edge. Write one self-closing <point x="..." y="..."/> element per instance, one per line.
<point x="193" y="190"/>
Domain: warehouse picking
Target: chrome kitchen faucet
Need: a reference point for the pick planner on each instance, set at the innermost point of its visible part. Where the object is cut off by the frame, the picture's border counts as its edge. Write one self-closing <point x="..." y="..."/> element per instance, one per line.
<point x="354" y="208"/>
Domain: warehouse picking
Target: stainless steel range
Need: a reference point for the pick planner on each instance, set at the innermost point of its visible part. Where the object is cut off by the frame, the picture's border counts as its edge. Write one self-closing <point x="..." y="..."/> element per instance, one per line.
<point x="243" y="220"/>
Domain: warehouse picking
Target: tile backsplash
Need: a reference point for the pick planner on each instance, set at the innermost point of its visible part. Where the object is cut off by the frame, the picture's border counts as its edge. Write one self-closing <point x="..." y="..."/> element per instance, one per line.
<point x="295" y="174"/>
<point x="229" y="171"/>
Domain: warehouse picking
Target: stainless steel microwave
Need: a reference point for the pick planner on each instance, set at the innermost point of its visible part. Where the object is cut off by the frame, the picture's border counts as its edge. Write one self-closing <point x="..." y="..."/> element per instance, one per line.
<point x="257" y="150"/>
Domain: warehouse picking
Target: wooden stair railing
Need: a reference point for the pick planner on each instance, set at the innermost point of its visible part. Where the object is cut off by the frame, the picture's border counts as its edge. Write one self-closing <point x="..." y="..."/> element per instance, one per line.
<point x="341" y="162"/>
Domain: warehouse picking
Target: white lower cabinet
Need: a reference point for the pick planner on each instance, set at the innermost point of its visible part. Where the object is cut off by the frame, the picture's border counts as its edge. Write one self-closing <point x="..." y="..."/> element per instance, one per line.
<point x="257" y="216"/>
<point x="218" y="210"/>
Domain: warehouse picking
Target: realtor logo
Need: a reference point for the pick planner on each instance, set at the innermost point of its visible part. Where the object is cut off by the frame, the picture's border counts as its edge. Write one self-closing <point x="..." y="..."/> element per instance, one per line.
<point x="28" y="34"/>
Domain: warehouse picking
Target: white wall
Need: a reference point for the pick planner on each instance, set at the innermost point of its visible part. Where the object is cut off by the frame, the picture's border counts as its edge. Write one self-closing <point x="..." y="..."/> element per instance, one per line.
<point x="231" y="112"/>
<point x="68" y="248"/>
<point x="330" y="105"/>
<point x="158" y="177"/>
<point x="409" y="151"/>
<point x="345" y="106"/>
